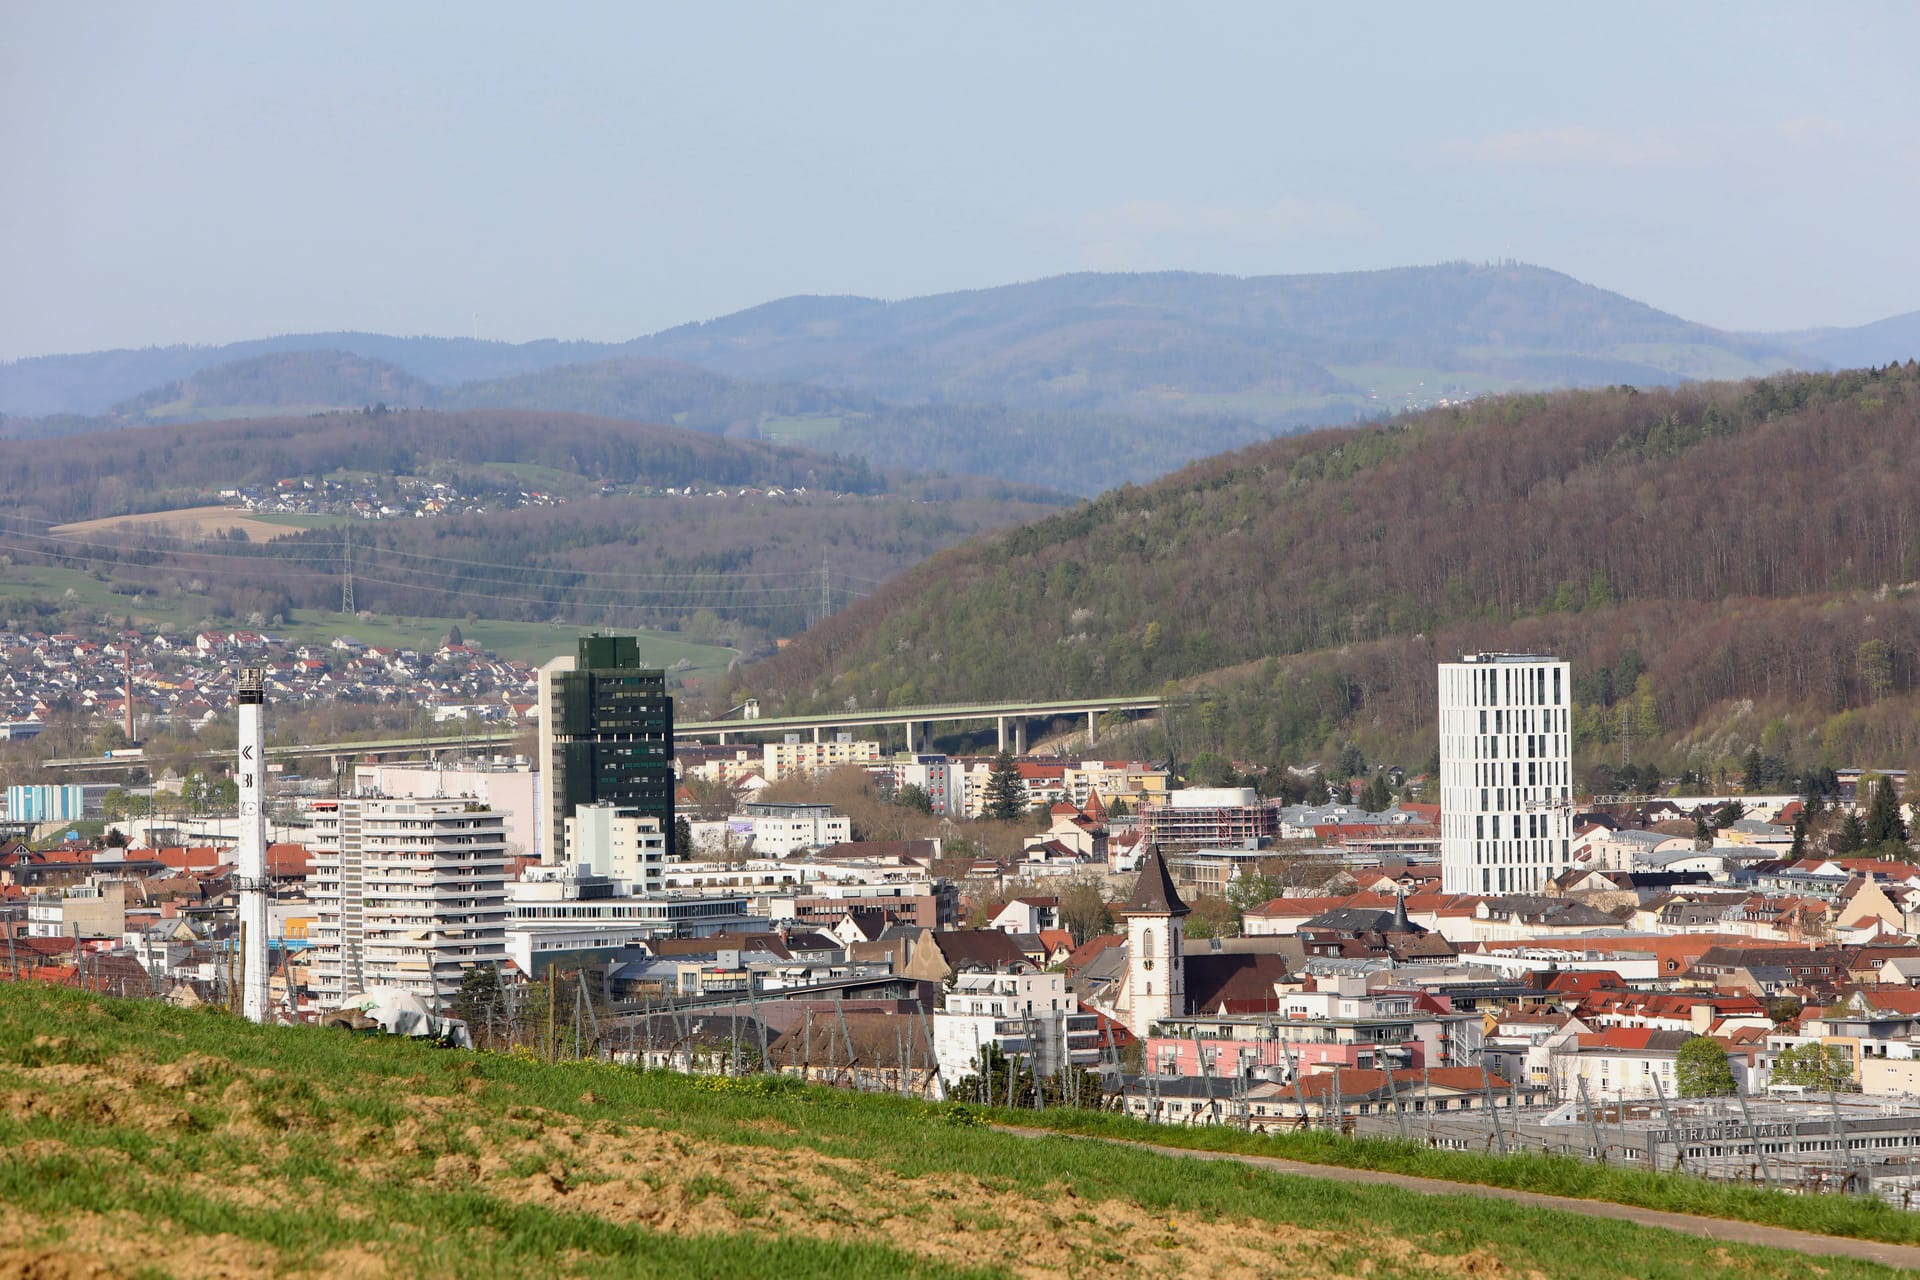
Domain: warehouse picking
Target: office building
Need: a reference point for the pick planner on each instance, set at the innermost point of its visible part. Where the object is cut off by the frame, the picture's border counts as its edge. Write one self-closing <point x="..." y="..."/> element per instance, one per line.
<point x="1506" y="772"/>
<point x="606" y="737"/>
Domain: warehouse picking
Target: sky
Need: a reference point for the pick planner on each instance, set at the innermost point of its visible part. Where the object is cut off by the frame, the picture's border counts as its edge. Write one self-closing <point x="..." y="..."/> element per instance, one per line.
<point x="204" y="173"/>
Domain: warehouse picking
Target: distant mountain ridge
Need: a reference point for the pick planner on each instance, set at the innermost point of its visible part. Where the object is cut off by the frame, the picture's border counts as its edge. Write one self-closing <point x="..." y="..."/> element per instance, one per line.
<point x="1083" y="381"/>
<point x="1027" y="343"/>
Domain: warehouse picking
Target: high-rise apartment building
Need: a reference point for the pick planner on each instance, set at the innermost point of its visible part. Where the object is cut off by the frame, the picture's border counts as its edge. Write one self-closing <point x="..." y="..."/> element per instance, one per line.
<point x="606" y="737"/>
<point x="407" y="893"/>
<point x="1506" y="772"/>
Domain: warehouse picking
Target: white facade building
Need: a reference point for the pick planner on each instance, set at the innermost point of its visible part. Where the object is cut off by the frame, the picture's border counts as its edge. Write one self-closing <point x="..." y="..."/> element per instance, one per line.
<point x="507" y="785"/>
<point x="1027" y="1015"/>
<point x="1506" y="772"/>
<point x="619" y="844"/>
<point x="794" y="756"/>
<point x="407" y="893"/>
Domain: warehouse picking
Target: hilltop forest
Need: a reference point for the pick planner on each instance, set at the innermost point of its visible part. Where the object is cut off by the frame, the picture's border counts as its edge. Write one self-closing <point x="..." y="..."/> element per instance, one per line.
<point x="1730" y="567"/>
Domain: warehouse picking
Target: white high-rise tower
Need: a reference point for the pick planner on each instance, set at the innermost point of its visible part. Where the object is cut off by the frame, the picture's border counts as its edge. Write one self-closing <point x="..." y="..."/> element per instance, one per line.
<point x="1506" y="772"/>
<point x="250" y="866"/>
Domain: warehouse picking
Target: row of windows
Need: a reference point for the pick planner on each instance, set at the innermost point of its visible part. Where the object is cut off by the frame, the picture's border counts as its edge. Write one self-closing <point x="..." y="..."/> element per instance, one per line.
<point x="1514" y="685"/>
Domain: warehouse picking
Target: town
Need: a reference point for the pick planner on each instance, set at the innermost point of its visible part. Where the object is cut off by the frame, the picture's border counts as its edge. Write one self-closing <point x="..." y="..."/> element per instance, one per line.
<point x="1727" y="984"/>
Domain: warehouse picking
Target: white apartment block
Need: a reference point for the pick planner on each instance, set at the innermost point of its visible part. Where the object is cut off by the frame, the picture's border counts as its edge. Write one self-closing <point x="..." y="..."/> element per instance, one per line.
<point x="1506" y="772"/>
<point x="1028" y="1015"/>
<point x="619" y="844"/>
<point x="407" y="893"/>
<point x="508" y="786"/>
<point x="794" y="756"/>
<point x="938" y="775"/>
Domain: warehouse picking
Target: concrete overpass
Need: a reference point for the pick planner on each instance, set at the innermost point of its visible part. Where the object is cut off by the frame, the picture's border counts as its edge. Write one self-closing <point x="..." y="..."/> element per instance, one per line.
<point x="1009" y="719"/>
<point x="483" y="736"/>
<point x="919" y="721"/>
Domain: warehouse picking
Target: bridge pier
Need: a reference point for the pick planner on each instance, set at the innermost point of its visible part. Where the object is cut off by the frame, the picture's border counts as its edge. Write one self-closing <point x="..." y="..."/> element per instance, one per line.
<point x="909" y="737"/>
<point x="816" y="733"/>
<point x="1019" y="736"/>
<point x="1093" y="727"/>
<point x="1000" y="725"/>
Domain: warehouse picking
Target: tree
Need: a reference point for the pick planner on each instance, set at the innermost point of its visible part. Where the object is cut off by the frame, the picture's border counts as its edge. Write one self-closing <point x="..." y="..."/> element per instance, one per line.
<point x="1376" y="796"/>
<point x="1799" y="848"/>
<point x="1084" y="911"/>
<point x="914" y="796"/>
<point x="1250" y="889"/>
<point x="1006" y="795"/>
<point x="1884" y="825"/>
<point x="1728" y="814"/>
<point x="1700" y="1069"/>
<point x="682" y="838"/>
<point x="1850" y="837"/>
<point x="1825" y="1068"/>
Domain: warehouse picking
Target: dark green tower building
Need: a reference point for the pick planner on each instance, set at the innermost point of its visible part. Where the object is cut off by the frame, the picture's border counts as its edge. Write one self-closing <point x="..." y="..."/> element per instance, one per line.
<point x="606" y="736"/>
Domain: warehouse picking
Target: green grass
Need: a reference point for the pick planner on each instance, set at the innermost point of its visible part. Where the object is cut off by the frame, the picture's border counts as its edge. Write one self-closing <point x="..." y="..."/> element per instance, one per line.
<point x="807" y="430"/>
<point x="299" y="1142"/>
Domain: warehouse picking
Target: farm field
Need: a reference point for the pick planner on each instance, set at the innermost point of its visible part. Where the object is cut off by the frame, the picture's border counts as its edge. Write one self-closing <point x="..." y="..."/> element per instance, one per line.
<point x="151" y="1140"/>
<point x="187" y="522"/>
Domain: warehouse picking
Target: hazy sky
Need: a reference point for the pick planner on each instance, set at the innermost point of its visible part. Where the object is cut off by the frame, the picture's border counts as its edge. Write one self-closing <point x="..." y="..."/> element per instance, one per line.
<point x="200" y="173"/>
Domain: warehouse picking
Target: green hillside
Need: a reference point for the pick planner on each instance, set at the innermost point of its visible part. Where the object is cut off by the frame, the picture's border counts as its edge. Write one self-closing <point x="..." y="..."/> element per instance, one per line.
<point x="146" y="1140"/>
<point x="1743" y="546"/>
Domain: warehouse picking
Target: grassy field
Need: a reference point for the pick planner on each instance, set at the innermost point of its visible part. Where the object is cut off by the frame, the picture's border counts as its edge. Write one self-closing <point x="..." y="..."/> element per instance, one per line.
<point x="146" y="1140"/>
<point x="186" y="613"/>
<point x="806" y="431"/>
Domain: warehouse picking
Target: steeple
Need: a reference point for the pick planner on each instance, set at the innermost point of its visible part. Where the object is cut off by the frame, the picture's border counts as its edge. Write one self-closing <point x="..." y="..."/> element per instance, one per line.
<point x="1156" y="948"/>
<point x="1153" y="893"/>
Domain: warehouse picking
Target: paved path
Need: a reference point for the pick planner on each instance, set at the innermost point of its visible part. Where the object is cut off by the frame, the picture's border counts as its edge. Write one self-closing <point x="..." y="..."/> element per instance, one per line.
<point x="1900" y="1256"/>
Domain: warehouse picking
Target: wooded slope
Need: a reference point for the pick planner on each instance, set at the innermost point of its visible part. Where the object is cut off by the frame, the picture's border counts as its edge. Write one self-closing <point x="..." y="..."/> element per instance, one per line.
<point x="1739" y="533"/>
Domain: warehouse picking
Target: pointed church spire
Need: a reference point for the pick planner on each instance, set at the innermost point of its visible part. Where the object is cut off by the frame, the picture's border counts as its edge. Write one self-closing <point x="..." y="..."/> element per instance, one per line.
<point x="1153" y="893"/>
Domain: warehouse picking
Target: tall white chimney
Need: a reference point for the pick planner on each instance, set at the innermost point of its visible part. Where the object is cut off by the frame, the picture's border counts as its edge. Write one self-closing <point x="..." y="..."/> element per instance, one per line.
<point x="250" y="874"/>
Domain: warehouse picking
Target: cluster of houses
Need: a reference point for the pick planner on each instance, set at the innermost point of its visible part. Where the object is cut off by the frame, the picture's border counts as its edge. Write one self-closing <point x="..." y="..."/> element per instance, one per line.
<point x="188" y="681"/>
<point x="383" y="497"/>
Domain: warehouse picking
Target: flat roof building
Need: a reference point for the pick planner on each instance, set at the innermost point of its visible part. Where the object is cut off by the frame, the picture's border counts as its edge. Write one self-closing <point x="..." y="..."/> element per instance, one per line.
<point x="1506" y="772"/>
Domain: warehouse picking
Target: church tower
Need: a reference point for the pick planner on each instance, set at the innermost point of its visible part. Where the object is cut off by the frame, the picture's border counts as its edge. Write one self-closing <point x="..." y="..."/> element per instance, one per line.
<point x="1156" y="948"/>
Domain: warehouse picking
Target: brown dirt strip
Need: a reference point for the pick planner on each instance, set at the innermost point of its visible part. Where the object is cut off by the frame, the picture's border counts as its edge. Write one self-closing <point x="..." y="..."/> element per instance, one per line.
<point x="1724" y="1230"/>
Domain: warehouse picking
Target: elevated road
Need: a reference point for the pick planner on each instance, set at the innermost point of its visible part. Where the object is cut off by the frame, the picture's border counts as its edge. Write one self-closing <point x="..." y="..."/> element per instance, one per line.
<point x="920" y="719"/>
<point x="489" y="736"/>
<point x="1009" y="718"/>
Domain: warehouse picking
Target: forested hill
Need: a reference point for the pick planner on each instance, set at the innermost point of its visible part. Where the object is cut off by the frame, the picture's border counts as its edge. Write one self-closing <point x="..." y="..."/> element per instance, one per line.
<point x="1266" y="346"/>
<point x="1737" y="540"/>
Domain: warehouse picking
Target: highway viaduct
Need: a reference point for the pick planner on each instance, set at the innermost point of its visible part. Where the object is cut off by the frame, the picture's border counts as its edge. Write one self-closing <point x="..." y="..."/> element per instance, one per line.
<point x="1009" y="719"/>
<point x="919" y="721"/>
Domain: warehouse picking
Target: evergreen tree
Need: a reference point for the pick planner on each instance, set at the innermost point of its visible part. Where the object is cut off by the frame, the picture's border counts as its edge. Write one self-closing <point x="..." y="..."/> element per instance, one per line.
<point x="1799" y="849"/>
<point x="1884" y="825"/>
<point x="1006" y="797"/>
<point x="1376" y="796"/>
<point x="1851" y="836"/>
